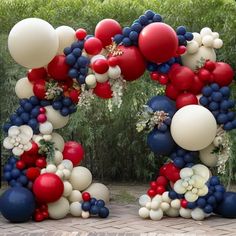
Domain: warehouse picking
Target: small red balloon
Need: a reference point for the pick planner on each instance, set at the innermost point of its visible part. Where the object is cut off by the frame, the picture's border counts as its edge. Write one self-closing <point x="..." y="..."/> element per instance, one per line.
<point x="197" y="86"/>
<point x="184" y="203"/>
<point x="32" y="173"/>
<point x="86" y="196"/>
<point x="74" y="95"/>
<point x="42" y="110"/>
<point x="158" y="42"/>
<point x="39" y="89"/>
<point x="181" y="50"/>
<point x="162" y="181"/>
<point x="106" y="29"/>
<point x="74" y="152"/>
<point x="41" y="118"/>
<point x="154" y="76"/>
<point x="103" y="90"/>
<point x="171" y="92"/>
<point x="45" y="214"/>
<point x="34" y="149"/>
<point x="204" y="75"/>
<point x="160" y="190"/>
<point x="41" y="163"/>
<point x="170" y="171"/>
<point x="151" y="193"/>
<point x="28" y="159"/>
<point x="153" y="185"/>
<point x="80" y="34"/>
<point x="185" y="99"/>
<point x="113" y="61"/>
<point x="209" y="65"/>
<point x="58" y="69"/>
<point x="93" y="46"/>
<point x="20" y="165"/>
<point x="35" y="75"/>
<point x="163" y="79"/>
<point x="38" y="217"/>
<point x="48" y="187"/>
<point x="100" y="66"/>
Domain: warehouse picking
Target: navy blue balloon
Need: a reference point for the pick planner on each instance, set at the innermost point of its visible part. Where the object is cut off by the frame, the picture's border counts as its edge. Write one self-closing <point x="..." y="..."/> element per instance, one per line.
<point x="100" y="203"/>
<point x="173" y="195"/>
<point x="181" y="30"/>
<point x="126" y="41"/>
<point x="207" y="91"/>
<point x="227" y="208"/>
<point x="149" y="14"/>
<point x="34" y="100"/>
<point x="136" y="27"/>
<point x="201" y="202"/>
<point x="17" y="204"/>
<point x="93" y="201"/>
<point x="86" y="206"/>
<point x="73" y="73"/>
<point x="162" y="103"/>
<point x="25" y="117"/>
<point x="118" y="38"/>
<point x="188" y="36"/>
<point x="67" y="50"/>
<point x="94" y="210"/>
<point x="103" y="212"/>
<point x="157" y="18"/>
<point x="160" y="143"/>
<point x="70" y="59"/>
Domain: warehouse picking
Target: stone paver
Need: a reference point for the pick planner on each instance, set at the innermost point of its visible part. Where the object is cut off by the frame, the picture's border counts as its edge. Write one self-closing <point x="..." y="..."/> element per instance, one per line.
<point x="123" y="220"/>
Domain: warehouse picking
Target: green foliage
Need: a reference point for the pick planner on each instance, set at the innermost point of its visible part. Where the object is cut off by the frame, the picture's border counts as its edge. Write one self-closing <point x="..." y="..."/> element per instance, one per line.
<point x="114" y="150"/>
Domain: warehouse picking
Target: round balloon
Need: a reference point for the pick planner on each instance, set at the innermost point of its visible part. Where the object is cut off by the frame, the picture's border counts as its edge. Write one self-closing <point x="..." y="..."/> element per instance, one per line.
<point x="158" y="42"/>
<point x="160" y="143"/>
<point x="208" y="157"/>
<point x="23" y="88"/>
<point x="17" y="204"/>
<point x="58" y="141"/>
<point x="59" y="209"/>
<point x="33" y="43"/>
<point x="103" y="90"/>
<point x="193" y="127"/>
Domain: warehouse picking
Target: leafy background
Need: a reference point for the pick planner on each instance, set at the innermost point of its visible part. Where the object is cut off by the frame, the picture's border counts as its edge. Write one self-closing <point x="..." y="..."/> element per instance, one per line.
<point x="114" y="150"/>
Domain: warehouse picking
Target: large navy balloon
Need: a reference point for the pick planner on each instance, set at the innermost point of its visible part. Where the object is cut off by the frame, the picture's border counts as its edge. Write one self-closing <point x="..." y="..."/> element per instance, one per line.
<point x="160" y="143"/>
<point x="17" y="204"/>
<point x="227" y="208"/>
<point x="162" y="103"/>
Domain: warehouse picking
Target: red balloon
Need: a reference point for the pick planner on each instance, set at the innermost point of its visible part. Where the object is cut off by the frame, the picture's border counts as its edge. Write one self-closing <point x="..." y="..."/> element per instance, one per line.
<point x="34" y="149"/>
<point x="20" y="165"/>
<point x="171" y="92"/>
<point x="39" y="89"/>
<point x="162" y="180"/>
<point x="182" y="78"/>
<point x="223" y="74"/>
<point x="48" y="187"/>
<point x="131" y="63"/>
<point x="184" y="203"/>
<point x="74" y="95"/>
<point x="80" y="34"/>
<point x="86" y="196"/>
<point x="28" y="159"/>
<point x="153" y="184"/>
<point x="32" y="173"/>
<point x="106" y="29"/>
<point x="210" y="65"/>
<point x="151" y="193"/>
<point x="103" y="90"/>
<point x="158" y="42"/>
<point x="93" y="46"/>
<point x="41" y="163"/>
<point x="197" y="86"/>
<point x="154" y="76"/>
<point x="37" y="74"/>
<point x="113" y="61"/>
<point x="205" y="76"/>
<point x="163" y="79"/>
<point x="170" y="171"/>
<point x="185" y="99"/>
<point x="160" y="190"/>
<point x="58" y="69"/>
<point x="100" y="66"/>
<point x="74" y="152"/>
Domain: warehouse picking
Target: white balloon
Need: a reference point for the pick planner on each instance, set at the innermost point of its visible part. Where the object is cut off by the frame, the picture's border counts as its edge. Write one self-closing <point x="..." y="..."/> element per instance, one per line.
<point x="66" y="36"/>
<point x="67" y="189"/>
<point x="198" y="214"/>
<point x="85" y="214"/>
<point x="33" y="43"/>
<point x="207" y="156"/>
<point x="193" y="127"/>
<point x="197" y="38"/>
<point x="46" y="127"/>
<point x="217" y="43"/>
<point x="66" y="173"/>
<point x="59" y="209"/>
<point x="60" y="174"/>
<point x="17" y="151"/>
<point x="175" y="204"/>
<point x="192" y="47"/>
<point x="23" y="88"/>
<point x="192" y="60"/>
<point x="203" y="191"/>
<point x="190" y="197"/>
<point x="58" y="157"/>
<point x="75" y="196"/>
<point x="178" y="187"/>
<point x="186" y="172"/>
<point x="165" y="197"/>
<point x="75" y="209"/>
<point x="67" y="164"/>
<point x="101" y="78"/>
<point x="207" y="41"/>
<point x="58" y="141"/>
<point x="148" y="205"/>
<point x="114" y="72"/>
<point x="80" y="178"/>
<point x="172" y="212"/>
<point x="205" y="31"/>
<point x="96" y="57"/>
<point x="90" y="80"/>
<point x="185" y="213"/>
<point x="99" y="191"/>
<point x="218" y="141"/>
<point x="27" y="130"/>
<point x="201" y="170"/>
<point x="165" y="206"/>
<point x="7" y="143"/>
<point x="143" y="212"/>
<point x="144" y="199"/>
<point x="47" y="137"/>
<point x="215" y="35"/>
<point x="156" y="215"/>
<point x="51" y="168"/>
<point x="155" y="205"/>
<point x="58" y="121"/>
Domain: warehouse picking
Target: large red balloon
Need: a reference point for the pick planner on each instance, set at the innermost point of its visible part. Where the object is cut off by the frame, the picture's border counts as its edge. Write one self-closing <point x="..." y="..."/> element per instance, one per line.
<point x="185" y="99"/>
<point x="131" y="63"/>
<point x="158" y="42"/>
<point x="48" y="187"/>
<point x="182" y="78"/>
<point x="57" y="68"/>
<point x="106" y="29"/>
<point x="223" y="74"/>
<point x="197" y="86"/>
<point x="103" y="90"/>
<point x="74" y="152"/>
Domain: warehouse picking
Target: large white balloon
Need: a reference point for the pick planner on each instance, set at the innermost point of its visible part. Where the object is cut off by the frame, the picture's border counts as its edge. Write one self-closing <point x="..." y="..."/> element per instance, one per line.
<point x="33" y="43"/>
<point x="58" y="121"/>
<point x="99" y="191"/>
<point x="58" y="141"/>
<point x="193" y="127"/>
<point x="23" y="88"/>
<point x="207" y="156"/>
<point x="59" y="209"/>
<point x="66" y="36"/>
<point x="80" y="178"/>
<point x="192" y="60"/>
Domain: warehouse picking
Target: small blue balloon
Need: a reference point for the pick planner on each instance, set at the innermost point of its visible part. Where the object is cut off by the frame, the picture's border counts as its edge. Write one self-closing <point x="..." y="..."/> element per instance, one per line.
<point x="192" y="205"/>
<point x="83" y="61"/>
<point x="118" y="38"/>
<point x="188" y="36"/>
<point x="45" y="103"/>
<point x="136" y="27"/>
<point x="222" y="118"/>
<point x="225" y="91"/>
<point x="173" y="195"/>
<point x="75" y="45"/>
<point x="66" y="101"/>
<point x="163" y="127"/>
<point x="94" y="210"/>
<point x="23" y="180"/>
<point x="93" y="201"/>
<point x="100" y="203"/>
<point x="157" y="18"/>
<point x="70" y="59"/>
<point x="143" y="20"/>
<point x="77" y="52"/>
<point x="83" y="71"/>
<point x="228" y="126"/>
<point x="57" y="105"/>
<point x="208" y="209"/>
<point x="149" y="14"/>
<point x="126" y="41"/>
<point x="126" y="31"/>
<point x="18" y="121"/>
<point x="7" y="168"/>
<point x="27" y="106"/>
<point x="179" y="162"/>
<point x="220" y="188"/>
<point x="164" y="68"/>
<point x="19" y="110"/>
<point x="133" y="36"/>
<point x="216" y="96"/>
<point x="73" y="73"/>
<point x="25" y="117"/>
<point x="218" y="196"/>
<point x="7" y="176"/>
<point x="181" y="30"/>
<point x="181" y="39"/>
<point x="15" y="173"/>
<point x="201" y="202"/>
<point x="34" y="100"/>
<point x="103" y="212"/>
<point x="67" y="50"/>
<point x="65" y="111"/>
<point x="23" y="101"/>
<point x="211" y="200"/>
<point x="17" y="204"/>
<point x="35" y="112"/>
<point x="86" y="206"/>
<point x="231" y="115"/>
<point x="214" y="180"/>
<point x="215" y="87"/>
<point x="213" y="106"/>
<point x="204" y="101"/>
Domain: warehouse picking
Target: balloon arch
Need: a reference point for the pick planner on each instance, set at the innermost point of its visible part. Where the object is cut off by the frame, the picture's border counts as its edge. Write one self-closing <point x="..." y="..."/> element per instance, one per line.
<point x="188" y="122"/>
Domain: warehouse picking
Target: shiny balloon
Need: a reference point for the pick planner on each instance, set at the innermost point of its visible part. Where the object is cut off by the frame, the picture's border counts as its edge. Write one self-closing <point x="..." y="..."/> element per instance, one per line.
<point x="103" y="90"/>
<point x="185" y="99"/>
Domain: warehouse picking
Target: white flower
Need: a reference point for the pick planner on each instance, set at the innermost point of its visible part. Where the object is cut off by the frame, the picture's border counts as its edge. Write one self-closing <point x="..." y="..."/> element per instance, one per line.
<point x="19" y="139"/>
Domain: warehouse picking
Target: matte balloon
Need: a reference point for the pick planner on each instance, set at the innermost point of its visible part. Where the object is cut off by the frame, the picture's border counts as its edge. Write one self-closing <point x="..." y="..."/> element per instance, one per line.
<point x="103" y="90"/>
<point x="158" y="42"/>
<point x="33" y="43"/>
<point x="193" y="127"/>
<point x="196" y="86"/>
<point x="58" y="141"/>
<point x="185" y="99"/>
<point x="17" y="204"/>
<point x="59" y="209"/>
<point x="38" y="74"/>
<point x="23" y="88"/>
<point x="171" y="92"/>
<point x="208" y="157"/>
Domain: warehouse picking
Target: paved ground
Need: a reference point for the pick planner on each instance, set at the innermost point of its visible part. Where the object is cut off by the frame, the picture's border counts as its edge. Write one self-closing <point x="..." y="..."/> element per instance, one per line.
<point x="123" y="220"/>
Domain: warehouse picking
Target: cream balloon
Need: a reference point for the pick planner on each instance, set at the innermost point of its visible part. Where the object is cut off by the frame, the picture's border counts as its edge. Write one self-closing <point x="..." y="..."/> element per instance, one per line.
<point x="80" y="178"/>
<point x="59" y="209"/>
<point x="66" y="36"/>
<point x="207" y="156"/>
<point x="172" y="212"/>
<point x="197" y="38"/>
<point x="58" y="157"/>
<point x="90" y="80"/>
<point x="192" y="60"/>
<point x="23" y="88"/>
<point x="75" y="209"/>
<point x="198" y="214"/>
<point x="144" y="199"/>
<point x="193" y="127"/>
<point x="114" y="72"/>
<point x="58" y="141"/>
<point x="202" y="171"/>
<point x="46" y="127"/>
<point x="75" y="196"/>
<point x="156" y="215"/>
<point x="33" y="43"/>
<point x="99" y="191"/>
<point x="192" y="47"/>
<point x="185" y="213"/>
<point x="67" y="189"/>
<point x="143" y="212"/>
<point x="101" y="78"/>
<point x="58" y="121"/>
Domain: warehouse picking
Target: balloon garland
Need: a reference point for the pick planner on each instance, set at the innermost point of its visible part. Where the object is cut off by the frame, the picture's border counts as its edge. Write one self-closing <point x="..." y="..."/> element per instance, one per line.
<point x="67" y="68"/>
